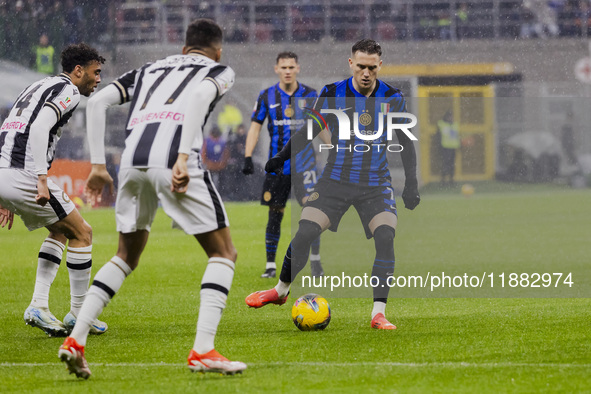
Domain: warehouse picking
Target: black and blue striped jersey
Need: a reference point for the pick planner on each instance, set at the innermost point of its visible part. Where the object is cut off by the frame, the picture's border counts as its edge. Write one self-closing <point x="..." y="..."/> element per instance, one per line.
<point x="355" y="160"/>
<point x="284" y="113"/>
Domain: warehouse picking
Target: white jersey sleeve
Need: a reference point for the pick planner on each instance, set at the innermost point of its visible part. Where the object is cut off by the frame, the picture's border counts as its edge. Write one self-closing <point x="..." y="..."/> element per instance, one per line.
<point x="126" y="83"/>
<point x="222" y="77"/>
<point x="96" y="120"/>
<point x="200" y="100"/>
<point x="64" y="100"/>
<point x="39" y="135"/>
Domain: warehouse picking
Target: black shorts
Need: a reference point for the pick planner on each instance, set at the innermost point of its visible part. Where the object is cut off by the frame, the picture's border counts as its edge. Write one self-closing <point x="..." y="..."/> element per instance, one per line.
<point x="303" y="184"/>
<point x="334" y="199"/>
<point x="276" y="189"/>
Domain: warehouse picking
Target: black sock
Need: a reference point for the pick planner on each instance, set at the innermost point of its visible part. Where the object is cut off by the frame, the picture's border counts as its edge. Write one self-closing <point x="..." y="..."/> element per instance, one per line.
<point x="273" y="233"/>
<point x="383" y="266"/>
<point x="299" y="249"/>
<point x="315" y="248"/>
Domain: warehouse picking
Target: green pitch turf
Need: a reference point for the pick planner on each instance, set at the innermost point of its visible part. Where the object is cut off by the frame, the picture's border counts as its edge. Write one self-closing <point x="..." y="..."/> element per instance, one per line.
<point x="442" y="344"/>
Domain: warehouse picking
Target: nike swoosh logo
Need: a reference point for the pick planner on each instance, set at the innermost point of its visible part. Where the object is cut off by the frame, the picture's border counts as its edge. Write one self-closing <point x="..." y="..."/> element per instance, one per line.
<point x="274" y="106"/>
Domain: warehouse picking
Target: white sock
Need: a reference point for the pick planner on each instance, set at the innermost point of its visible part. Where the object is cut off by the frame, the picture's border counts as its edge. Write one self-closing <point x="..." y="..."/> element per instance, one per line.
<point x="50" y="257"/>
<point x="105" y="285"/>
<point x="282" y="288"/>
<point x="271" y="264"/>
<point x="79" y="261"/>
<point x="314" y="257"/>
<point x="215" y="285"/>
<point x="378" y="307"/>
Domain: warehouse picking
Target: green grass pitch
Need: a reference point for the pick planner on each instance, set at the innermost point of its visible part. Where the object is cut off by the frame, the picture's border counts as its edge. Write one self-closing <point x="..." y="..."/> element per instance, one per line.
<point x="467" y="344"/>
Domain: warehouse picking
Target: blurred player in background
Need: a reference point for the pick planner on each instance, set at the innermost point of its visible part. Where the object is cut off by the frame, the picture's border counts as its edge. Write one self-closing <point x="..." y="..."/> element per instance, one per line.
<point x="171" y="100"/>
<point x="358" y="178"/>
<point x="276" y="104"/>
<point x="28" y="139"/>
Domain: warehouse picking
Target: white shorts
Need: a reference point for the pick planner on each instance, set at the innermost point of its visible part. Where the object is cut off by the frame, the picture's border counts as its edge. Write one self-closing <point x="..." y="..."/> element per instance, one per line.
<point x="198" y="210"/>
<point x="18" y="189"/>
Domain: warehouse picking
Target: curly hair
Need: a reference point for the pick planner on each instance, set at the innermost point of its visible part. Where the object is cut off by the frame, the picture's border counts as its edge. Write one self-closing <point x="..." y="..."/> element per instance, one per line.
<point x="79" y="54"/>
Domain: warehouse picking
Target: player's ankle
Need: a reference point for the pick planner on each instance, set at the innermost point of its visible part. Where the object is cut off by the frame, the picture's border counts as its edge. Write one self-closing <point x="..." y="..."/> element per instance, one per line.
<point x="282" y="288"/>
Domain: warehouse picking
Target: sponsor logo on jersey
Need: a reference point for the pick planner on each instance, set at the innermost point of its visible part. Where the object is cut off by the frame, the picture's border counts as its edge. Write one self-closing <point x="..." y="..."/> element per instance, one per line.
<point x="288" y="122"/>
<point x="64" y="106"/>
<point x="175" y="116"/>
<point x="13" y="126"/>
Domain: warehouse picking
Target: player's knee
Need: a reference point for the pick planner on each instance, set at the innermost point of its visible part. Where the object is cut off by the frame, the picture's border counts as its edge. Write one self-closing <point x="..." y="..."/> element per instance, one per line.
<point x="83" y="233"/>
<point x="231" y="253"/>
<point x="384" y="236"/>
<point x="308" y="231"/>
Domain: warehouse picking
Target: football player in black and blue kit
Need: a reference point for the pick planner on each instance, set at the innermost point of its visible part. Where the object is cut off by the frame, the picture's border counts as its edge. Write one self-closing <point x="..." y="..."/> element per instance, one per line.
<point x="282" y="105"/>
<point x="356" y="174"/>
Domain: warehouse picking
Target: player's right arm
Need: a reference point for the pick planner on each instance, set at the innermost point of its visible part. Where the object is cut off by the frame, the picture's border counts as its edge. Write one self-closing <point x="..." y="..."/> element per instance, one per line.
<point x="257" y="119"/>
<point x="251" y="142"/>
<point x="299" y="139"/>
<point x="200" y="101"/>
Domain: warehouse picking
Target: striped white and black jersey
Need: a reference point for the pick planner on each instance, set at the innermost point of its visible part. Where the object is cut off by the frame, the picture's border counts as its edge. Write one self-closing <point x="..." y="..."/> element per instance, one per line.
<point x="158" y="92"/>
<point x="57" y="93"/>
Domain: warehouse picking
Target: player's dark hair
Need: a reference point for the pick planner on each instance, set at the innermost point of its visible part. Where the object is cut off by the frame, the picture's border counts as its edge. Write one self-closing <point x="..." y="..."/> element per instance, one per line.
<point x="79" y="55"/>
<point x="203" y="33"/>
<point x="286" y="55"/>
<point x="367" y="46"/>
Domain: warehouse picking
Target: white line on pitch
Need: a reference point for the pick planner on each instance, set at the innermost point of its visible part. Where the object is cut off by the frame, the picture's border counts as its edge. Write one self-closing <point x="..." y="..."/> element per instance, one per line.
<point x="328" y="364"/>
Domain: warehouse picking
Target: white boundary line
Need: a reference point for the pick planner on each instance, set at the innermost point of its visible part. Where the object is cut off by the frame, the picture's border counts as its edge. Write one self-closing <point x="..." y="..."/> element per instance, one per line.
<point x="329" y="364"/>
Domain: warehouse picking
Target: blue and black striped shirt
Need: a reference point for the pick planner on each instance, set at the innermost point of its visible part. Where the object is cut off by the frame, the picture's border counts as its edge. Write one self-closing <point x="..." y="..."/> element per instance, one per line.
<point x="284" y="115"/>
<point x="354" y="160"/>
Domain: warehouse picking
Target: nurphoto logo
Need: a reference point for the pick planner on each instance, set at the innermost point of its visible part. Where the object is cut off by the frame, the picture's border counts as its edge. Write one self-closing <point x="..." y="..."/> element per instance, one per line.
<point x="402" y="121"/>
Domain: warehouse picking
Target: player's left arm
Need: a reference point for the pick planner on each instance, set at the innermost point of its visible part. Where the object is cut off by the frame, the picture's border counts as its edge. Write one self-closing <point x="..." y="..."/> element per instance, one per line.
<point x="96" y="119"/>
<point x="39" y="135"/>
<point x="6" y="217"/>
<point x="410" y="194"/>
<point x="55" y="112"/>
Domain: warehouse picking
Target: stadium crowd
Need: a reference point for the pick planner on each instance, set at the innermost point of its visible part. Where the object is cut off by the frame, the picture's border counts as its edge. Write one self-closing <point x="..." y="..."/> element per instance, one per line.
<point x="22" y="22"/>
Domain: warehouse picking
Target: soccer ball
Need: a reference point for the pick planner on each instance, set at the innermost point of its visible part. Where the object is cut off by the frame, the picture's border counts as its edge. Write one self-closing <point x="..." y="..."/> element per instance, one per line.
<point x="311" y="312"/>
<point x="467" y="190"/>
